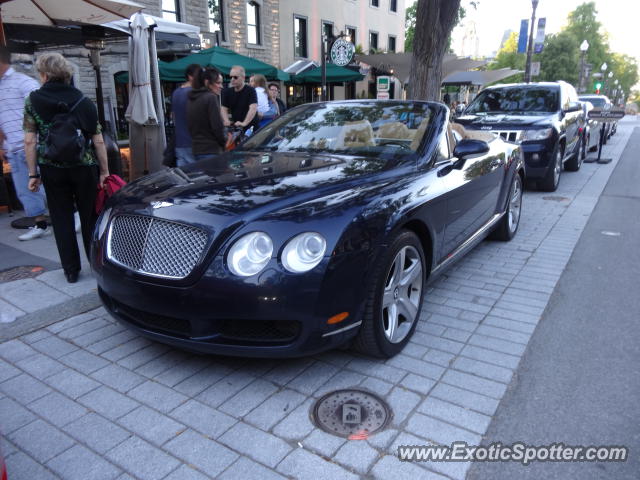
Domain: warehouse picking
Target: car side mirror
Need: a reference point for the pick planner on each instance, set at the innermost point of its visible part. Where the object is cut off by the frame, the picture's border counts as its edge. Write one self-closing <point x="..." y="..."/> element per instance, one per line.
<point x="467" y="148"/>
<point x="573" y="107"/>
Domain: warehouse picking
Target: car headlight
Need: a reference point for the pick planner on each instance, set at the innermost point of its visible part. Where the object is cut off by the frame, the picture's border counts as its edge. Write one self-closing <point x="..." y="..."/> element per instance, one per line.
<point x="539" y="134"/>
<point x="303" y="252"/>
<point x="250" y="254"/>
<point x="103" y="222"/>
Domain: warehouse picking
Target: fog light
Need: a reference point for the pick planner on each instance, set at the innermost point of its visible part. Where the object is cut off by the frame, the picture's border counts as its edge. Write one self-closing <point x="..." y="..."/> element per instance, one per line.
<point x="535" y="157"/>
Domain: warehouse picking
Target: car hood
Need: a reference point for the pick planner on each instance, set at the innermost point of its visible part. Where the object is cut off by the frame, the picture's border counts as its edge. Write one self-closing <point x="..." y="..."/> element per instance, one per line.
<point x="238" y="187"/>
<point x="500" y="121"/>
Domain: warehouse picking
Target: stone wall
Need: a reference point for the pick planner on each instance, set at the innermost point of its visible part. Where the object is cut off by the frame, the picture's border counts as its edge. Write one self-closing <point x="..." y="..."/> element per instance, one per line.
<point x="236" y="23"/>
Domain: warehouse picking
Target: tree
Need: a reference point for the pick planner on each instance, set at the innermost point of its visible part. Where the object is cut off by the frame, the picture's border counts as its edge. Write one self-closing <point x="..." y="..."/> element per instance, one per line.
<point x="583" y="24"/>
<point x="410" y="23"/>
<point x="560" y="58"/>
<point x="625" y="70"/>
<point x="434" y="21"/>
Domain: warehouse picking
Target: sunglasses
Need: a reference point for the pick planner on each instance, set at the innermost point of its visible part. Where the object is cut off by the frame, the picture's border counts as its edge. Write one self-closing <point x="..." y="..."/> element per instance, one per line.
<point x="235" y="76"/>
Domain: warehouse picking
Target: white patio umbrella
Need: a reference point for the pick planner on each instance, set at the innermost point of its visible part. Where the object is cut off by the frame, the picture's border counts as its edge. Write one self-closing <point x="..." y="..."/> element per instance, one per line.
<point x="66" y="12"/>
<point x="145" y="110"/>
<point x="63" y="12"/>
<point x="141" y="109"/>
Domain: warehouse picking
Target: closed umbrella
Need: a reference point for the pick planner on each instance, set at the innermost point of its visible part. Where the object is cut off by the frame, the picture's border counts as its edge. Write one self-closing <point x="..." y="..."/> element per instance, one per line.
<point x="64" y="12"/>
<point x="140" y="109"/>
<point x="144" y="112"/>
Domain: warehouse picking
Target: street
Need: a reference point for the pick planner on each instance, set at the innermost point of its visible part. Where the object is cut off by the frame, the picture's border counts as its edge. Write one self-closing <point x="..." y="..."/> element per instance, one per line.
<point x="534" y="340"/>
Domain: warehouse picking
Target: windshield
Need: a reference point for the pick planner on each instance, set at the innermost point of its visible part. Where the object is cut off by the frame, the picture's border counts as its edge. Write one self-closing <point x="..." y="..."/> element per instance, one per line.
<point x="367" y="129"/>
<point x="515" y="99"/>
<point x="597" y="102"/>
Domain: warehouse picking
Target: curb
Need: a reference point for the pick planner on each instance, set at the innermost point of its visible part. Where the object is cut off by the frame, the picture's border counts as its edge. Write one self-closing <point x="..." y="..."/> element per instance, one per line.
<point x="46" y="316"/>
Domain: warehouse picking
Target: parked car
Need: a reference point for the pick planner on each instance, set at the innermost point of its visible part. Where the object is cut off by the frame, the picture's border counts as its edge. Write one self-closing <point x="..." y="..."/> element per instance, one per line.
<point x="322" y="228"/>
<point x="591" y="130"/>
<point x="544" y="117"/>
<point x="602" y="102"/>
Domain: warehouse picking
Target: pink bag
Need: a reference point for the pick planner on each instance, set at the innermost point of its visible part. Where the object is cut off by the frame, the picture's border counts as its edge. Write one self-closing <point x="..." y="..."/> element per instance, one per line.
<point x="112" y="184"/>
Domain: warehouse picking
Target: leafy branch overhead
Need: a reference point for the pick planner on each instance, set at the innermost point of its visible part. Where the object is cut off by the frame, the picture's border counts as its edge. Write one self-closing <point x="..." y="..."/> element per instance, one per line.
<point x="560" y="59"/>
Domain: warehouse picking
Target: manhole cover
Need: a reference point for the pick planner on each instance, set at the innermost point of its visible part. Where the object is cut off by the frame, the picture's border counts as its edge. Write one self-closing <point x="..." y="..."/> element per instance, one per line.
<point x="19" y="273"/>
<point x="351" y="413"/>
<point x="555" y="198"/>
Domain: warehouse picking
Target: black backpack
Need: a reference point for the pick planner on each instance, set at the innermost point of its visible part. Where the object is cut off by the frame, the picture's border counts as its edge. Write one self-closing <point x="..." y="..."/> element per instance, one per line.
<point x="65" y="143"/>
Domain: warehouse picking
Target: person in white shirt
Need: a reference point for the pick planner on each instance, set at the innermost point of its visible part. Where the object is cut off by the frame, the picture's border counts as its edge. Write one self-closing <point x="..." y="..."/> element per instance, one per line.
<point x="267" y="110"/>
<point x="15" y="87"/>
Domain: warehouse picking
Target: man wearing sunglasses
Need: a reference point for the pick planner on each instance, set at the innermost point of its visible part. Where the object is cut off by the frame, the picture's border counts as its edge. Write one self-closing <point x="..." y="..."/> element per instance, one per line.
<point x="240" y="101"/>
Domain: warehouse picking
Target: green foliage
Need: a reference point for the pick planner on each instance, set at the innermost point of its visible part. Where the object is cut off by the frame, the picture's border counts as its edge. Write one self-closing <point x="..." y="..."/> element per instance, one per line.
<point x="508" y="56"/>
<point x="625" y="70"/>
<point x="560" y="58"/>
<point x="410" y="26"/>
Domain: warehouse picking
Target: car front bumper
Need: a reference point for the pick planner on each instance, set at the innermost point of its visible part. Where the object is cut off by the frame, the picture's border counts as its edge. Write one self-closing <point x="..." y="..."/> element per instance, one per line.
<point x="273" y="314"/>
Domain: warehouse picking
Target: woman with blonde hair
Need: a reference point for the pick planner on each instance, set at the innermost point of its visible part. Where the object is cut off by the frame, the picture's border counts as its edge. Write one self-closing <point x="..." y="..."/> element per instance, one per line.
<point x="64" y="163"/>
<point x="267" y="110"/>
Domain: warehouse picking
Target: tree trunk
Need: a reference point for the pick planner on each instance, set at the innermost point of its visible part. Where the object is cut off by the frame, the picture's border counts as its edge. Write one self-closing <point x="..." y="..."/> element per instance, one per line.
<point x="434" y="22"/>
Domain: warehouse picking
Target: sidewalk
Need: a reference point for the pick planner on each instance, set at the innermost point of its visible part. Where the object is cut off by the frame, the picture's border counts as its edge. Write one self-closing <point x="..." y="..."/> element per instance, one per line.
<point x="31" y="303"/>
<point x="86" y="398"/>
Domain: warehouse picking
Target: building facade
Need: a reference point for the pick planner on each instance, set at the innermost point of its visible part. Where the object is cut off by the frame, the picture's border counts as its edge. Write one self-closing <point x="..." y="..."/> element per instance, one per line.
<point x="372" y="25"/>
<point x="278" y="32"/>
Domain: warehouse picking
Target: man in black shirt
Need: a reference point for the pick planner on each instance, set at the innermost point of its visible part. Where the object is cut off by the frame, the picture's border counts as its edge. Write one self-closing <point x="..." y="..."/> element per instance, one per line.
<point x="240" y="100"/>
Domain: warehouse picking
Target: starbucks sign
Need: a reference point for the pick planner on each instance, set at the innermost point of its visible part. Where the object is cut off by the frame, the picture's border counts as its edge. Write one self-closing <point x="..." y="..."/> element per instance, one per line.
<point x="342" y="52"/>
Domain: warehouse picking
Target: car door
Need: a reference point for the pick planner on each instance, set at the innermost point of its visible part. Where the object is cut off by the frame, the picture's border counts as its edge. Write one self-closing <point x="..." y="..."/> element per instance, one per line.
<point x="472" y="191"/>
<point x="571" y="119"/>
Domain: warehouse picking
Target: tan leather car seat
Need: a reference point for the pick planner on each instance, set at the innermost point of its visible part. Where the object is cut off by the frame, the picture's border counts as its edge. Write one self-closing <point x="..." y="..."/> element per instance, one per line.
<point x="355" y="134"/>
<point x="394" y="130"/>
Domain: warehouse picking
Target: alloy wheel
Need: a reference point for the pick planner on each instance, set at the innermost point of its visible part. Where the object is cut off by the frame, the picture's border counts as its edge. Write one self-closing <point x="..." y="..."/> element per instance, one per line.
<point x="515" y="204"/>
<point x="402" y="293"/>
<point x="557" y="168"/>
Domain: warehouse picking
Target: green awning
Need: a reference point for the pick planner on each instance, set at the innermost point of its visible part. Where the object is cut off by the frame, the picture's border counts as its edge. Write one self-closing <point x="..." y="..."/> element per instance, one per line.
<point x="335" y="74"/>
<point x="222" y="59"/>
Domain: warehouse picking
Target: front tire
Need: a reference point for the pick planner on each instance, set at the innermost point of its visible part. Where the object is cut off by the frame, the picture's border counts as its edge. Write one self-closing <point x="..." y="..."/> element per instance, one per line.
<point x="551" y="181"/>
<point x="394" y="299"/>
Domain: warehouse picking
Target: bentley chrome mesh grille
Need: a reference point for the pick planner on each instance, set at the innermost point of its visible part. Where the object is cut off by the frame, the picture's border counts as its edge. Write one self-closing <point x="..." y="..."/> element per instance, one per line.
<point x="155" y="247"/>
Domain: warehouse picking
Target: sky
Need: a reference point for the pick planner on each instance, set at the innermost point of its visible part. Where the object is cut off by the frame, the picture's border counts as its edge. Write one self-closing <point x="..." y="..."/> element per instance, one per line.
<point x="618" y="17"/>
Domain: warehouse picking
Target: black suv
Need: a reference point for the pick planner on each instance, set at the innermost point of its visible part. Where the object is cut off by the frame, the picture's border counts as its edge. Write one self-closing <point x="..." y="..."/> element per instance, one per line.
<point x="544" y="117"/>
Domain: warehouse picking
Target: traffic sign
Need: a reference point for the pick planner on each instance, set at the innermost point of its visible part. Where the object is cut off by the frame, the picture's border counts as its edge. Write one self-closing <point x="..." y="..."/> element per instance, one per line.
<point x="383" y="96"/>
<point x="535" y="69"/>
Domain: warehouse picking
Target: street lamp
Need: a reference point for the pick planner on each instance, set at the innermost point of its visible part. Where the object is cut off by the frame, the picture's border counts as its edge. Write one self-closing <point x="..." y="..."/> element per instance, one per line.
<point x="584" y="46"/>
<point x="527" y="72"/>
<point x="607" y="83"/>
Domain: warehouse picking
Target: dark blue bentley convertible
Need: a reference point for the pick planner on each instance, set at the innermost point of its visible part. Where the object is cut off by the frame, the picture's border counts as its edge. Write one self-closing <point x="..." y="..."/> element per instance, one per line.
<point x="321" y="229"/>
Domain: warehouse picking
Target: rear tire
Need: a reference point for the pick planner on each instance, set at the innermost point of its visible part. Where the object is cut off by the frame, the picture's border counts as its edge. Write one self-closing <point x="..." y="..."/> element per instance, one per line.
<point x="394" y="299"/>
<point x="508" y="225"/>
<point x="575" y="163"/>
